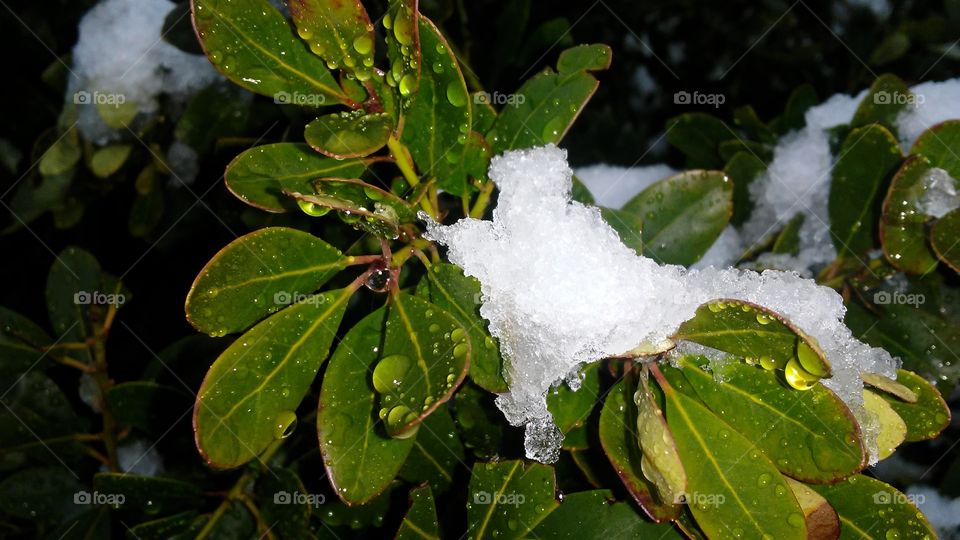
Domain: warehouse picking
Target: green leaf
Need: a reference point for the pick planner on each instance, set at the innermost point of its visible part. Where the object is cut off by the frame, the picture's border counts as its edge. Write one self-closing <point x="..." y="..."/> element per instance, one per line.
<point x="479" y="421"/>
<point x="733" y="487"/>
<point x="794" y="116"/>
<point x="34" y="410"/>
<point x="683" y="215"/>
<point x="508" y="499"/>
<point x="729" y="148"/>
<point x="178" y="31"/>
<point x="698" y="135"/>
<point x="811" y="435"/>
<point x="788" y="241"/>
<point x="584" y="58"/>
<point x="743" y="168"/>
<point x="821" y="519"/>
<point x="360" y="459"/>
<point x="546" y="105"/>
<point x="44" y="494"/>
<point x="340" y="32"/>
<point x="659" y="463"/>
<point x="421" y="518"/>
<point x="150" y="494"/>
<point x="869" y="157"/>
<point x="580" y="193"/>
<point x="629" y="227"/>
<point x="887" y="98"/>
<point x="362" y="205"/>
<point x="893" y="431"/>
<point x="939" y="144"/>
<point x="425" y="357"/>
<point x="437" y="452"/>
<point x="74" y="284"/>
<point x="448" y="288"/>
<point x="253" y="45"/>
<point x="618" y="436"/>
<point x="108" y="160"/>
<point x="439" y="115"/>
<point x="147" y="208"/>
<point x="903" y="232"/>
<point x="349" y="134"/>
<point x="146" y="405"/>
<point x="892" y="47"/>
<point x="288" y="517"/>
<point x="928" y="416"/>
<point x="259" y="175"/>
<point x="249" y="395"/>
<point x="945" y="238"/>
<point x="869" y="509"/>
<point x="258" y="274"/>
<point x="571" y="409"/>
<point x="484" y="115"/>
<point x="62" y="155"/>
<point x="403" y="46"/>
<point x="219" y="110"/>
<point x="746" y="118"/>
<point x="176" y="527"/>
<point x="21" y="343"/>
<point x="595" y="515"/>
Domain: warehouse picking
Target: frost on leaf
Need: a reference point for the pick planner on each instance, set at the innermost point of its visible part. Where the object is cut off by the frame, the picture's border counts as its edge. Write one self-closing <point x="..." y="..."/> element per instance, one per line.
<point x="561" y="290"/>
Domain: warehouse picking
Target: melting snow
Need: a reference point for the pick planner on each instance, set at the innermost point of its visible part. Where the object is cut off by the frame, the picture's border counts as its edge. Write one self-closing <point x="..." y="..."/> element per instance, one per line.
<point x="940" y="193"/>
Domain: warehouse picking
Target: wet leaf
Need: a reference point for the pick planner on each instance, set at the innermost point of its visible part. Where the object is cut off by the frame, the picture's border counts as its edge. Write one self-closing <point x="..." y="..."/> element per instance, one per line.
<point x="756" y="334"/>
<point x="810" y="435"/>
<point x="259" y="175"/>
<point x="571" y="408"/>
<point x="596" y="515"/>
<point x="822" y="520"/>
<point x="74" y="286"/>
<point x="403" y="45"/>
<point x="629" y="227"/>
<point x="288" y="517"/>
<point x="35" y="409"/>
<point x="364" y="206"/>
<point x="249" y="395"/>
<point x="925" y="418"/>
<point x="868" y="509"/>
<point x="426" y="355"/>
<point x="44" y="494"/>
<point x="938" y="144"/>
<point x="150" y="494"/>
<point x="448" y="288"/>
<point x="945" y="236"/>
<point x="253" y="45"/>
<point x="347" y="417"/>
<point x="148" y="406"/>
<point x="659" y="463"/>
<point x="869" y="157"/>
<point x="683" y="215"/>
<point x="893" y="431"/>
<point x="801" y="99"/>
<point x="21" y="343"/>
<point x="178" y="526"/>
<point x="903" y="232"/>
<point x="421" y="518"/>
<point x="349" y="134"/>
<point x="595" y="57"/>
<point x="508" y="499"/>
<point x="479" y="421"/>
<point x="340" y="32"/>
<point x="219" y="110"/>
<point x="698" y="135"/>
<point x="437" y="455"/>
<point x="258" y="274"/>
<point x="743" y="168"/>
<point x="887" y="97"/>
<point x="788" y="241"/>
<point x="889" y="387"/>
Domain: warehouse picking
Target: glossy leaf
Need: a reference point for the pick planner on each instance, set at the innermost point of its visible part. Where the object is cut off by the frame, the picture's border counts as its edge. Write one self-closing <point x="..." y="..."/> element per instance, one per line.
<point x="349" y="134"/>
<point x="743" y="168"/>
<point x="698" y="135"/>
<point x="629" y="227"/>
<point x="403" y="46"/>
<point x="869" y="509"/>
<point x="288" y="516"/>
<point x="359" y="457"/>
<point x="253" y="45"/>
<point x="893" y="431"/>
<point x="683" y="215"/>
<point x="596" y="515"/>
<point x="362" y="205"/>
<point x="258" y="274"/>
<point x="810" y="435"/>
<point x="546" y="105"/>
<point x="340" y="32"/>
<point x="869" y="157"/>
<point x="508" y="499"/>
<point x="426" y="355"/>
<point x="618" y="437"/>
<point x="732" y="486"/>
<point x="440" y="114"/>
<point x="21" y="343"/>
<point x="801" y="99"/>
<point x="945" y="238"/>
<point x="788" y="241"/>
<point x="754" y="333"/>
<point x="259" y="175"/>
<point x="479" y="421"/>
<point x="903" y="232"/>
<point x="145" y="492"/>
<point x="887" y="97"/>
<point x="448" y="288"/>
<point x="939" y="144"/>
<point x="571" y="408"/>
<point x="660" y="462"/>
<point x="437" y="455"/>
<point x="421" y="519"/>
<point x="925" y="418"/>
<point x="821" y="519"/>
<point x="249" y="395"/>
<point x="584" y="58"/>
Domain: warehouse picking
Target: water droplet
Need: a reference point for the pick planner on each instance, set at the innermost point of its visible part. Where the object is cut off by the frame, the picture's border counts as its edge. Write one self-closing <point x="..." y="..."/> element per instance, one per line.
<point x="764" y="480"/>
<point x="363" y="44"/>
<point x="407" y="84"/>
<point x="809" y="360"/>
<point x="460" y="351"/>
<point x="768" y="363"/>
<point x="797" y="377"/>
<point x="389" y="372"/>
<point x="311" y="209"/>
<point x="456" y="95"/>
